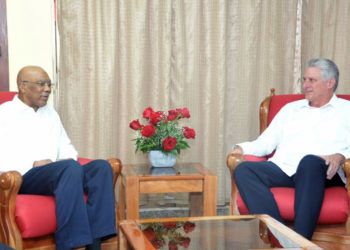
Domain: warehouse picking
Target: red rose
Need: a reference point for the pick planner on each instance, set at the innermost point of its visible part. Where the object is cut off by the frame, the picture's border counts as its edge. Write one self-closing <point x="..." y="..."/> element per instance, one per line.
<point x="156" y="117"/>
<point x="189" y="227"/>
<point x="135" y="125"/>
<point x="158" y="243"/>
<point x="189" y="133"/>
<point x="170" y="224"/>
<point x="185" y="242"/>
<point x="172" y="245"/>
<point x="148" y="131"/>
<point x="169" y="143"/>
<point x="148" y="112"/>
<point x="185" y="113"/>
<point x="149" y="233"/>
<point x="172" y="114"/>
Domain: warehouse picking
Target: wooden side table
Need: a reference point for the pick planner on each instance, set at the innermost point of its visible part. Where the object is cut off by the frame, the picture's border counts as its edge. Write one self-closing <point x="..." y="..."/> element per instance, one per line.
<point x="191" y="178"/>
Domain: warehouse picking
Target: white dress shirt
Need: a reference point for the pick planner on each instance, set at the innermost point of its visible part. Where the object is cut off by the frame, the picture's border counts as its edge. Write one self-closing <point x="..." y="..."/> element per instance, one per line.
<point x="27" y="136"/>
<point x="299" y="129"/>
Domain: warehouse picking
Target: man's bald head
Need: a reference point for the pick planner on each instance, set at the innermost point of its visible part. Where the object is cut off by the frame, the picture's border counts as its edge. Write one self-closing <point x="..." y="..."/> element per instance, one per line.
<point x="29" y="70"/>
<point x="34" y="86"/>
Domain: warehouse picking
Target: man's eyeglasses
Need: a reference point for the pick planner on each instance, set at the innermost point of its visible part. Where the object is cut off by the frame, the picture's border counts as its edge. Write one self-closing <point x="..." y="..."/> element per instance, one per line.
<point x="41" y="83"/>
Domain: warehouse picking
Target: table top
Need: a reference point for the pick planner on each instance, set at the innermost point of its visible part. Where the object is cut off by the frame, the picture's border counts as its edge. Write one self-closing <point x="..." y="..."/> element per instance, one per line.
<point x="216" y="232"/>
<point x="180" y="169"/>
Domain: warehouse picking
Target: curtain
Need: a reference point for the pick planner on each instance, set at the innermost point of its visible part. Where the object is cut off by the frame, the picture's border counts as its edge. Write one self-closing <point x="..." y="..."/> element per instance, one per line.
<point x="218" y="58"/>
<point x="326" y="33"/>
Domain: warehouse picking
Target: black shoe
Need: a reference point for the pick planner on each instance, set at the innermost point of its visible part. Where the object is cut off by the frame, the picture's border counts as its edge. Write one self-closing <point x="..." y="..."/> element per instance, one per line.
<point x="95" y="245"/>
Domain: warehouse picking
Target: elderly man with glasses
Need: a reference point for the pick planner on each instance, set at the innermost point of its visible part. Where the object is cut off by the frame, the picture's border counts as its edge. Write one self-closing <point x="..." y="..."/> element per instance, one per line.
<point x="34" y="142"/>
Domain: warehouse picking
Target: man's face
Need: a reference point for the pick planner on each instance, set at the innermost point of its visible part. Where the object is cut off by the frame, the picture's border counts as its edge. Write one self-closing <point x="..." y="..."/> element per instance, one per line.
<point x="35" y="88"/>
<point x="317" y="91"/>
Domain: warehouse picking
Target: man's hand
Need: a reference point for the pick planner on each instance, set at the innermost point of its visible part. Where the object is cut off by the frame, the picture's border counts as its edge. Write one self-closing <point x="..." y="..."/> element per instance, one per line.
<point x="333" y="162"/>
<point x="237" y="150"/>
<point x="41" y="163"/>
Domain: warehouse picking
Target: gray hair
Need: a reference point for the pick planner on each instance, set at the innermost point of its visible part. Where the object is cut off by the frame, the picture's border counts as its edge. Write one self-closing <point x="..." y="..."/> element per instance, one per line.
<point x="329" y="70"/>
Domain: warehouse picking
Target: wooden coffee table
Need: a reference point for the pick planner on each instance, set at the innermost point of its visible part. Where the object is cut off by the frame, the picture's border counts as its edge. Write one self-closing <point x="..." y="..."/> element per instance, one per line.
<point x="190" y="178"/>
<point x="208" y="233"/>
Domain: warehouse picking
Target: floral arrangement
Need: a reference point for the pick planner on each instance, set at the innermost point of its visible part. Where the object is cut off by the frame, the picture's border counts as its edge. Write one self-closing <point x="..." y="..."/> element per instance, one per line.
<point x="162" y="131"/>
<point x="171" y="234"/>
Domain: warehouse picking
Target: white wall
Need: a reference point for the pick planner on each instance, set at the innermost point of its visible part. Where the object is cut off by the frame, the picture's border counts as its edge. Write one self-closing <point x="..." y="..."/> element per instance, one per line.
<point x="31" y="37"/>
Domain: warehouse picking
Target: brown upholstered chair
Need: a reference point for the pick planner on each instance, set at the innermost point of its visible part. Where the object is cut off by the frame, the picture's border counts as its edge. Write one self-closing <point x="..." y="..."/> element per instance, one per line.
<point x="29" y="221"/>
<point x="334" y="220"/>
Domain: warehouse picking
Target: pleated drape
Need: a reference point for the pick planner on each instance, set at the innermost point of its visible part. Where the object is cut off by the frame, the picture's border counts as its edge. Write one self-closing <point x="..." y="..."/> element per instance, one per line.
<point x="218" y="58"/>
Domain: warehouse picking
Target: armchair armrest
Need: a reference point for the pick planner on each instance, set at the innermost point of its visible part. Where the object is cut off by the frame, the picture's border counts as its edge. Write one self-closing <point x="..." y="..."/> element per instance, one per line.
<point x="116" y="165"/>
<point x="232" y="161"/>
<point x="346" y="168"/>
<point x="10" y="183"/>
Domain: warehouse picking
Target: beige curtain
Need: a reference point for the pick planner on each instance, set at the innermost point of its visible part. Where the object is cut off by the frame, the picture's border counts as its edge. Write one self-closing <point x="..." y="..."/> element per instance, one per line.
<point x="219" y="58"/>
<point x="327" y="34"/>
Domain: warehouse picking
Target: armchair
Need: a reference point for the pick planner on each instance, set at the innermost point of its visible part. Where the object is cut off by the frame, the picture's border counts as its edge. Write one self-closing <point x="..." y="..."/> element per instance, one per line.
<point x="29" y="221"/>
<point x="334" y="219"/>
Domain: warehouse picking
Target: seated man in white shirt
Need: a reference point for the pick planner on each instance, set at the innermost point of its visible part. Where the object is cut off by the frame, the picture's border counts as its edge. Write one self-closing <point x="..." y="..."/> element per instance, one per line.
<point x="311" y="139"/>
<point x="34" y="142"/>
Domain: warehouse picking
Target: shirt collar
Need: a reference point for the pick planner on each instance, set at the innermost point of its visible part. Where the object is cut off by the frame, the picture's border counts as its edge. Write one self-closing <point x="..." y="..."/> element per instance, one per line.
<point x="21" y="105"/>
<point x="332" y="103"/>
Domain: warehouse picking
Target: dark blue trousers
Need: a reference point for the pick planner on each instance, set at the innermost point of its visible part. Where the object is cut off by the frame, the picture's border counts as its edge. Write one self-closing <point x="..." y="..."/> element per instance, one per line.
<point x="254" y="180"/>
<point x="4" y="247"/>
<point x="78" y="223"/>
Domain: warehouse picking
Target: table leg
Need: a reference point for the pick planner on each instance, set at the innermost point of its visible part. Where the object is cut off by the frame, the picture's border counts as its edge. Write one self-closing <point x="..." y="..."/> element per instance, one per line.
<point x="209" y="195"/>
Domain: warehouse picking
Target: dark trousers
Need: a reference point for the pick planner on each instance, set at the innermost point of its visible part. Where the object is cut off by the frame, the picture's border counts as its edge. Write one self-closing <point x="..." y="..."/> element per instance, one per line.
<point x="78" y="222"/>
<point x="4" y="247"/>
<point x="254" y="180"/>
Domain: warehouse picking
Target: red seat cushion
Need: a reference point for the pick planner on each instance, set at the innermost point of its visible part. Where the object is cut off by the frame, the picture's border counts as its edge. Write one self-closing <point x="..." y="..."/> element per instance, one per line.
<point x="254" y="158"/>
<point x="335" y="207"/>
<point x="36" y="214"/>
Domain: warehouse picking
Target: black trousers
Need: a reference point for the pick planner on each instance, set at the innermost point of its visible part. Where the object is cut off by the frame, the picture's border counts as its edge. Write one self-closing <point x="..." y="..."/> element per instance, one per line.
<point x="254" y="180"/>
<point x="78" y="223"/>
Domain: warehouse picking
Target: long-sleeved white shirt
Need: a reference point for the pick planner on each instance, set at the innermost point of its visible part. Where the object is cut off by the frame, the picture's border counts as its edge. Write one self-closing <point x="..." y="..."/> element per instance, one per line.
<point x="299" y="129"/>
<point x="27" y="136"/>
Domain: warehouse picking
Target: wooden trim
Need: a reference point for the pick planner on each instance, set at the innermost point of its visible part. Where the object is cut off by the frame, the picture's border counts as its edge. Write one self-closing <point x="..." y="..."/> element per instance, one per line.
<point x="10" y="183"/>
<point x="264" y="111"/>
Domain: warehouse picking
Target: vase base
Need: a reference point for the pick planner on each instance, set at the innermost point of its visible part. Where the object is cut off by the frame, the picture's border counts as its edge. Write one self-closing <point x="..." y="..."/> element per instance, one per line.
<point x="160" y="159"/>
<point x="162" y="171"/>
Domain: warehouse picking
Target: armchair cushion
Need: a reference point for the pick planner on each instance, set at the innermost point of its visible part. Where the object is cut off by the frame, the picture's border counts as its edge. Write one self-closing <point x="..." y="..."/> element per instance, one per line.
<point x="6" y="96"/>
<point x="254" y="158"/>
<point x="36" y="214"/>
<point x="335" y="207"/>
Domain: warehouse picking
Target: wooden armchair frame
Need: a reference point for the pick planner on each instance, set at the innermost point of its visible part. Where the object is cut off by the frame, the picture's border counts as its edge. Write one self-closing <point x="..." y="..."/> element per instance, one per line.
<point x="339" y="233"/>
<point x="10" y="235"/>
